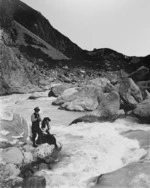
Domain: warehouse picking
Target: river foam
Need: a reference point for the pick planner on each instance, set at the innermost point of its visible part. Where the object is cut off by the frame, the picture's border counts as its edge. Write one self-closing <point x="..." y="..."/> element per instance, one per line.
<point x="90" y="149"/>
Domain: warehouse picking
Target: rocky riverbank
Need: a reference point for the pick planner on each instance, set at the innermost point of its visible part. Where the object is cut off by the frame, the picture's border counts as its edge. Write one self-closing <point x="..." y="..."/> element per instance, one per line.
<point x="123" y="142"/>
<point x="18" y="159"/>
<point x="105" y="97"/>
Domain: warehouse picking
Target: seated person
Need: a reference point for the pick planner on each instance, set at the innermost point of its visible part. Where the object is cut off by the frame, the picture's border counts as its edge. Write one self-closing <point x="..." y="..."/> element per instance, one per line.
<point x="45" y="127"/>
<point x="45" y="136"/>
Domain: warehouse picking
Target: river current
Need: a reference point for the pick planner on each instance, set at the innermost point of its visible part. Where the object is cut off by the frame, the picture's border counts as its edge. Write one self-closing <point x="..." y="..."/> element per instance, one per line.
<point x="89" y="149"/>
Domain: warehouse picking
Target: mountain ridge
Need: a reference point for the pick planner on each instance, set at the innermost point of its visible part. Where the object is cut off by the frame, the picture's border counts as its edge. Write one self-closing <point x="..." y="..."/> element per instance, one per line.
<point x="34" y="42"/>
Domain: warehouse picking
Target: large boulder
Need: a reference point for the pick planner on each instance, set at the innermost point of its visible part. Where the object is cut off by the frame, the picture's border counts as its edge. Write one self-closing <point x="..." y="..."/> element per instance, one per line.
<point x="135" y="175"/>
<point x="58" y="89"/>
<point x="142" y="111"/>
<point x="92" y="118"/>
<point x="12" y="155"/>
<point x="99" y="82"/>
<point x="7" y="174"/>
<point x="13" y="128"/>
<point x="109" y="105"/>
<point x="86" y="99"/>
<point x="37" y="95"/>
<point x="129" y="91"/>
<point x="110" y="87"/>
<point x="42" y="151"/>
<point x="67" y="96"/>
<point x="28" y="157"/>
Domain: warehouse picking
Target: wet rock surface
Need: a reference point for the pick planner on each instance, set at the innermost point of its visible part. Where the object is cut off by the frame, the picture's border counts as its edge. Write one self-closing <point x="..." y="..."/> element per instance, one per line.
<point x="142" y="136"/>
<point x="131" y="176"/>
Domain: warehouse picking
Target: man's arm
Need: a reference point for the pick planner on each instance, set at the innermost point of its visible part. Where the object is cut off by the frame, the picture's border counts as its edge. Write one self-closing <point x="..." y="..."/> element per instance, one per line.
<point x="39" y="118"/>
<point x="33" y="118"/>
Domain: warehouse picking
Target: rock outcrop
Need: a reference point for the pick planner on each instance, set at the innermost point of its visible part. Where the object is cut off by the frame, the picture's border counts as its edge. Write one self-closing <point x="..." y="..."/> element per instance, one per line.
<point x="14" y="128"/>
<point x="99" y="83"/>
<point x="57" y="90"/>
<point x="17" y="73"/>
<point x="84" y="99"/>
<point x="12" y="155"/>
<point x="134" y="175"/>
<point x="107" y="110"/>
<point x="142" y="111"/>
<point x="18" y="165"/>
<point x="92" y="119"/>
<point x="129" y="91"/>
<point x="108" y="106"/>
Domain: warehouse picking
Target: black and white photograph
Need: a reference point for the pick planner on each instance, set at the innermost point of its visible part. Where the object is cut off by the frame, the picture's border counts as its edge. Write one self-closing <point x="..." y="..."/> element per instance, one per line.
<point x="74" y="93"/>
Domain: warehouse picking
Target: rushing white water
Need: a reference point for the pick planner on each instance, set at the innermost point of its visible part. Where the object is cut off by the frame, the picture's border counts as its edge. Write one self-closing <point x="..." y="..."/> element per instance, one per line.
<point x="89" y="149"/>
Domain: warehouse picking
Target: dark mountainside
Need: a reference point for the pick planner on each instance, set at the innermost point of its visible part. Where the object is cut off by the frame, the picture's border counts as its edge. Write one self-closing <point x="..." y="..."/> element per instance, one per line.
<point x="33" y="53"/>
<point x="40" y="26"/>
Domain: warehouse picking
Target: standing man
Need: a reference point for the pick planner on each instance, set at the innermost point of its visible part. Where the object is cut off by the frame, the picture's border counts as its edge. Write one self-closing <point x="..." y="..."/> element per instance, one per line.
<point x="35" y="119"/>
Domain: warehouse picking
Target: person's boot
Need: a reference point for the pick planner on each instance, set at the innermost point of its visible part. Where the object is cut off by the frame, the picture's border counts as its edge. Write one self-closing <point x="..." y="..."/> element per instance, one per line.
<point x="34" y="145"/>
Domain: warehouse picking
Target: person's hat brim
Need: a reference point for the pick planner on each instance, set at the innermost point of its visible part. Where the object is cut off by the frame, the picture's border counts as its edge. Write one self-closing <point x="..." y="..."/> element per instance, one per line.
<point x="37" y="109"/>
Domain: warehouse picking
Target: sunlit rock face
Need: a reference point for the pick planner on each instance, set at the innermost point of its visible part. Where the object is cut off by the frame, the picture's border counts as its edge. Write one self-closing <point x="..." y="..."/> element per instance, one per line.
<point x="84" y="98"/>
<point x="80" y="99"/>
<point x="109" y="105"/>
<point x="58" y="89"/>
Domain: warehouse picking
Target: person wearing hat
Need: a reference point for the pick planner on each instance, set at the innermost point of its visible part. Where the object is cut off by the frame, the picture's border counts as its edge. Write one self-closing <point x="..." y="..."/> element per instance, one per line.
<point x="35" y="119"/>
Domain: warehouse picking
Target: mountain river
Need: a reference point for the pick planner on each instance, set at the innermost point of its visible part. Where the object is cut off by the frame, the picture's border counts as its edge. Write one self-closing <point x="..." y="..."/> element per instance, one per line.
<point x="89" y="149"/>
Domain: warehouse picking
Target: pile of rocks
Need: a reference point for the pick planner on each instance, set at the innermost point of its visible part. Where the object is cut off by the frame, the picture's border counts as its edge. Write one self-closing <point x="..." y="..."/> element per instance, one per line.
<point x="104" y="97"/>
<point x="18" y="159"/>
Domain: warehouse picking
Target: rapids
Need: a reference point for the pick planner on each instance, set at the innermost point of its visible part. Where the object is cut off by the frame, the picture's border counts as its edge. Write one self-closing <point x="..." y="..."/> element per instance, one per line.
<point x="89" y="149"/>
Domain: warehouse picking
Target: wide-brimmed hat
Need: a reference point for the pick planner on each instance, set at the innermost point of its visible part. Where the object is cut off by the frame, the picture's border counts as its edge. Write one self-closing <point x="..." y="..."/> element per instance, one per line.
<point x="37" y="109"/>
<point x="46" y="119"/>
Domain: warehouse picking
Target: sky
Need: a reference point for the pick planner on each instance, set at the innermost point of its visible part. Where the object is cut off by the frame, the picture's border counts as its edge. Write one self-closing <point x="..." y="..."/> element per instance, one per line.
<point x="122" y="25"/>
